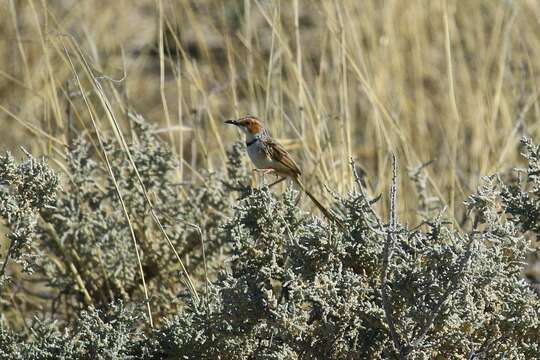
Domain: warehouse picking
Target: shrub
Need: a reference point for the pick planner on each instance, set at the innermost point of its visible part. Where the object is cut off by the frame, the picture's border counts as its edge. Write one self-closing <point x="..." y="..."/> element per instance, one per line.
<point x="294" y="286"/>
<point x="26" y="188"/>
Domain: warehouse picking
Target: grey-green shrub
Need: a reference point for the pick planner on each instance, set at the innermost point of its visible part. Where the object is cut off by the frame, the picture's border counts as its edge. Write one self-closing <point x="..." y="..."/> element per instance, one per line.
<point x="26" y="188"/>
<point x="293" y="286"/>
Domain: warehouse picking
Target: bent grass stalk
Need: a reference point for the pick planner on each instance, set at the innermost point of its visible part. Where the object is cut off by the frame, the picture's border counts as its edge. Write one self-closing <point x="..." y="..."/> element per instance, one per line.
<point x="118" y="132"/>
<point x="117" y="188"/>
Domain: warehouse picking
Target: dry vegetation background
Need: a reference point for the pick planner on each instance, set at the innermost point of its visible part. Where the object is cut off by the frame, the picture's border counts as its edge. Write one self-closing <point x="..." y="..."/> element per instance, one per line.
<point x="449" y="81"/>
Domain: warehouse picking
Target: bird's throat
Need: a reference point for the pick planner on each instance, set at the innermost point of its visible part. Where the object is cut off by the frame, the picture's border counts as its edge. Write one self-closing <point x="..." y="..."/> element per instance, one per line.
<point x="251" y="142"/>
<point x="251" y="139"/>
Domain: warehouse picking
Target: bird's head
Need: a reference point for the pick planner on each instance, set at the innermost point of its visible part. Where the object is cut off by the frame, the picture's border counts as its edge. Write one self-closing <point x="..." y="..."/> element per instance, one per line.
<point x="250" y="125"/>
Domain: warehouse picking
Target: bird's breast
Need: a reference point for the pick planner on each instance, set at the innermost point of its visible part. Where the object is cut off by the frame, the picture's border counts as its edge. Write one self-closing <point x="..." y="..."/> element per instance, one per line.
<point x="258" y="156"/>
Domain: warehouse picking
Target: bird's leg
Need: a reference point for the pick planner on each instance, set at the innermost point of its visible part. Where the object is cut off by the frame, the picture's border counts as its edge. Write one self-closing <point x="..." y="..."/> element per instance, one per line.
<point x="277" y="181"/>
<point x="254" y="178"/>
<point x="298" y="199"/>
<point x="267" y="171"/>
<point x="264" y="172"/>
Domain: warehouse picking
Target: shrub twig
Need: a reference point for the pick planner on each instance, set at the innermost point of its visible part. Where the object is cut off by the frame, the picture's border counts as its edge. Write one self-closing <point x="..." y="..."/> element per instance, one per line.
<point x="387" y="255"/>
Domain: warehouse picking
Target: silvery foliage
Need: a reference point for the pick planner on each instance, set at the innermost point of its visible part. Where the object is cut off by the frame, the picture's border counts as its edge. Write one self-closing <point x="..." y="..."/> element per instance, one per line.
<point x="112" y="333"/>
<point x="296" y="287"/>
<point x="26" y="188"/>
<point x="86" y="252"/>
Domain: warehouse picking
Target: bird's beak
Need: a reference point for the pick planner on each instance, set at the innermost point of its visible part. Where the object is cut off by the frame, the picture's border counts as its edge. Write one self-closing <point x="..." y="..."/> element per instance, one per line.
<point x="232" y="122"/>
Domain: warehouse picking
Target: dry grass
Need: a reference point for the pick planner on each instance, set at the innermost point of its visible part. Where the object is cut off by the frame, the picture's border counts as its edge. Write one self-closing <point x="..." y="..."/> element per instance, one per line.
<point x="450" y="81"/>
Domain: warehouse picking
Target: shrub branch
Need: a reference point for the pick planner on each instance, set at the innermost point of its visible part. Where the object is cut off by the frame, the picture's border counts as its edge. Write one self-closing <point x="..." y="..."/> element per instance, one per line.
<point x="387" y="255"/>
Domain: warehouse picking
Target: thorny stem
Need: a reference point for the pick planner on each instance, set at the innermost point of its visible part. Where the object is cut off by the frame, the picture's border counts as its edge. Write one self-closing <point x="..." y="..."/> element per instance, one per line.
<point x="387" y="255"/>
<point x="358" y="181"/>
<point x="406" y="348"/>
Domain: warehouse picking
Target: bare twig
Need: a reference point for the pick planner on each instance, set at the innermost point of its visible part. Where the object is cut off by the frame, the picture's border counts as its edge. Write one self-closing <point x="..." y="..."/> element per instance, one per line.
<point x="358" y="180"/>
<point x="387" y="255"/>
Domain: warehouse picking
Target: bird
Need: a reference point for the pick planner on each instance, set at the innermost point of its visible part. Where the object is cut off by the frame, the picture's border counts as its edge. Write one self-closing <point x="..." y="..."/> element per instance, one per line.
<point x="268" y="155"/>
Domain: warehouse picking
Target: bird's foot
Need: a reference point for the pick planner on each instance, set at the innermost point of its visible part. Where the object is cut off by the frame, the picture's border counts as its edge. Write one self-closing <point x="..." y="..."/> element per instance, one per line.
<point x="263" y="172"/>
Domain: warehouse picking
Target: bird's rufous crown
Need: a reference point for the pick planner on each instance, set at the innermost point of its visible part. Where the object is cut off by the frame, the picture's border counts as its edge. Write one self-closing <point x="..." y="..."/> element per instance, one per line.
<point x="251" y="123"/>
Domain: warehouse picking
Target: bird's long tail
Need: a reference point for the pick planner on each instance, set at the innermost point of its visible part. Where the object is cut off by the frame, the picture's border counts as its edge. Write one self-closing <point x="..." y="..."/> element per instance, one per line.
<point x="321" y="207"/>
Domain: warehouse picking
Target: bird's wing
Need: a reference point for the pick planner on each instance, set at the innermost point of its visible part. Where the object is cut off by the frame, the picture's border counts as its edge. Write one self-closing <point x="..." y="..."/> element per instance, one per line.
<point x="277" y="152"/>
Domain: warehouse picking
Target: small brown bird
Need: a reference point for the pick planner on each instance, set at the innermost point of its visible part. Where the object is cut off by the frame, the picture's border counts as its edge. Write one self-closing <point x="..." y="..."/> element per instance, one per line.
<point x="269" y="155"/>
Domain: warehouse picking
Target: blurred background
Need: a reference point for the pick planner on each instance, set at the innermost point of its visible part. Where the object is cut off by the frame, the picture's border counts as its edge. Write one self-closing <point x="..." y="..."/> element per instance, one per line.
<point x="449" y="83"/>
